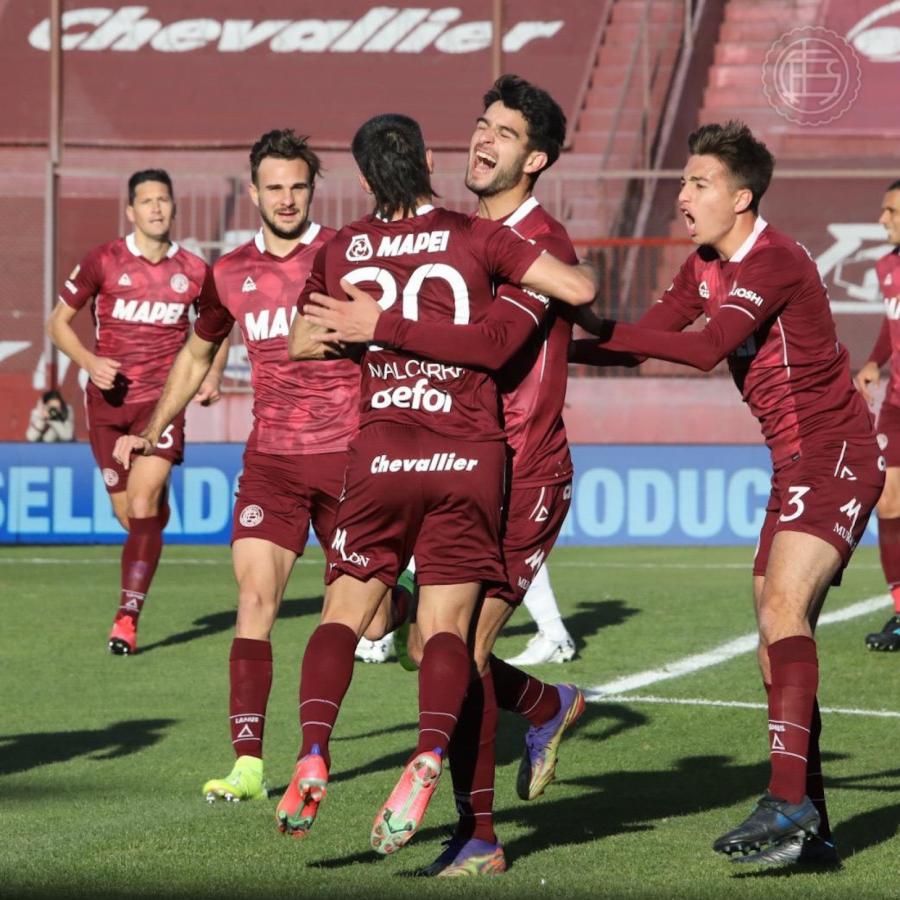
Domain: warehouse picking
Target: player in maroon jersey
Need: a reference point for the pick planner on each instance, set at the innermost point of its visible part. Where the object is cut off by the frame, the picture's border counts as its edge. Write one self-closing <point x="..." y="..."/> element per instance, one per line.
<point x="887" y="347"/>
<point x="768" y="313"/>
<point x="303" y="419"/>
<point x="140" y="288"/>
<point x="425" y="473"/>
<point x="519" y="134"/>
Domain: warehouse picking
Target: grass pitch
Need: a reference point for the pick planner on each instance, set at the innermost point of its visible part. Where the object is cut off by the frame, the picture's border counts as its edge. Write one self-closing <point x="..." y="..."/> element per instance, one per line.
<point x="102" y="758"/>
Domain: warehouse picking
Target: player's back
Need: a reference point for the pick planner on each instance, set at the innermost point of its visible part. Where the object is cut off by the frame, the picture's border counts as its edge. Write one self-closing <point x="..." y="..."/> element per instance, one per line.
<point x="434" y="266"/>
<point x="533" y="383"/>
<point x="306" y="407"/>
<point x="140" y="310"/>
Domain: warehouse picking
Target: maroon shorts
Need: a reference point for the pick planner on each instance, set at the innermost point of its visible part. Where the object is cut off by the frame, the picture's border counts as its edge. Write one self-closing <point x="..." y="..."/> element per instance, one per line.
<point x="888" y="429"/>
<point x="534" y="515"/>
<point x="409" y="490"/>
<point x="828" y="492"/>
<point x="107" y="423"/>
<point x="279" y="497"/>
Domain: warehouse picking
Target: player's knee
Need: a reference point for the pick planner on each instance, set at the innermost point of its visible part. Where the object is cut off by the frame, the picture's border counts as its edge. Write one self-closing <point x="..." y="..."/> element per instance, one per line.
<point x="142" y="505"/>
<point x="779" y="618"/>
<point x="257" y="606"/>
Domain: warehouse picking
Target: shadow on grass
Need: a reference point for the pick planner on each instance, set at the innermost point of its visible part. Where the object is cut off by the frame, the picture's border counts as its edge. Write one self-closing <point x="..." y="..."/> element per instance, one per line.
<point x="589" y="617"/>
<point x="21" y="752"/>
<point x="216" y="623"/>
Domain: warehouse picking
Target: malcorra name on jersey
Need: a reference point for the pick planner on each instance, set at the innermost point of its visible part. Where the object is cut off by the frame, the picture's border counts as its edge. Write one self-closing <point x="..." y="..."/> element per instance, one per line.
<point x="259" y="327"/>
<point x="150" y="311"/>
<point x="414" y="368"/>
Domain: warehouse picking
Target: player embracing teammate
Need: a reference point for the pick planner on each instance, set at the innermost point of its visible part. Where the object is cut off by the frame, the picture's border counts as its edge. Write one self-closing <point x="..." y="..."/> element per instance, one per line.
<point x="767" y="313"/>
<point x="425" y="474"/>
<point x="518" y="135"/>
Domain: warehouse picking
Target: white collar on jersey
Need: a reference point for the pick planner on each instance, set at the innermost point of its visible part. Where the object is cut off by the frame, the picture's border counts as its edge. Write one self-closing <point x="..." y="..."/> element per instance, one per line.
<point x="525" y="207"/>
<point x="131" y="244"/>
<point x="747" y="246"/>
<point x="422" y="210"/>
<point x="312" y="231"/>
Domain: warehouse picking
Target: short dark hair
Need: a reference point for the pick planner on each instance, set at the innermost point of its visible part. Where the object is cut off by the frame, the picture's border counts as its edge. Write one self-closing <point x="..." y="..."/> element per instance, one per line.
<point x="283" y="143"/>
<point x="747" y="159"/>
<point x="47" y="396"/>
<point x="893" y="186"/>
<point x="545" y="119"/>
<point x="160" y="175"/>
<point x="390" y="152"/>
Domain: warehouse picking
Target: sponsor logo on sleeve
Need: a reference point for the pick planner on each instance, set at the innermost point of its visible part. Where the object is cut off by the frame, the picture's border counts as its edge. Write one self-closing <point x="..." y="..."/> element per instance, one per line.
<point x="703" y="290"/>
<point x="746" y="294"/>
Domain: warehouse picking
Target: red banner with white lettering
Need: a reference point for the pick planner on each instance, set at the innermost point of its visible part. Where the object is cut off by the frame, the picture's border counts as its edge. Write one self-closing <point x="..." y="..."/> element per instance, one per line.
<point x="203" y="73"/>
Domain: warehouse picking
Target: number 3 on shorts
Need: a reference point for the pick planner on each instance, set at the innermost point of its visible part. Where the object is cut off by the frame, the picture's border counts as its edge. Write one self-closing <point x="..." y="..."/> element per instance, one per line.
<point x="166" y="439"/>
<point x="796" y="501"/>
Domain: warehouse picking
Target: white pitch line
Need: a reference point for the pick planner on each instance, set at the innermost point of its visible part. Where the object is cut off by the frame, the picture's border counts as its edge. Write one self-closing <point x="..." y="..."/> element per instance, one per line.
<point x="724" y="652"/>
<point x="104" y="560"/>
<point x="740" y="704"/>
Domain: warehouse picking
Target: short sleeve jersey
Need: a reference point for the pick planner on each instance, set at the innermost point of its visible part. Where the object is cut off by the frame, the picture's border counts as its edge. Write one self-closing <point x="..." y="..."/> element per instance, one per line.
<point x="140" y="311"/>
<point x="792" y="371"/>
<point x="888" y="269"/>
<point x="298" y="407"/>
<point x="434" y="266"/>
<point x="533" y="383"/>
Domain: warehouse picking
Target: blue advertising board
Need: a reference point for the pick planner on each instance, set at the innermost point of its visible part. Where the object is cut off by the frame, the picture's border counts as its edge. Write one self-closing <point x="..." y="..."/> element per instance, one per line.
<point x="634" y="494"/>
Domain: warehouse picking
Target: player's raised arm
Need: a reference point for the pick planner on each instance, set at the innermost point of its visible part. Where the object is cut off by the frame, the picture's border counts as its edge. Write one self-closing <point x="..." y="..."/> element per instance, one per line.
<point x="488" y="344"/>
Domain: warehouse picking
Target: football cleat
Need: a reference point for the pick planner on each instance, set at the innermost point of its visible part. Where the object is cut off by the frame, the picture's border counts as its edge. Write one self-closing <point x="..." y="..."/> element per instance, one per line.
<point x="375" y="651"/>
<point x="475" y="857"/>
<point x="452" y="846"/>
<point x="123" y="637"/>
<point x="541" y="649"/>
<point x="773" y="821"/>
<point x="800" y="850"/>
<point x="889" y="636"/>
<point x="538" y="766"/>
<point x="246" y="781"/>
<point x="400" y="817"/>
<point x="296" y="812"/>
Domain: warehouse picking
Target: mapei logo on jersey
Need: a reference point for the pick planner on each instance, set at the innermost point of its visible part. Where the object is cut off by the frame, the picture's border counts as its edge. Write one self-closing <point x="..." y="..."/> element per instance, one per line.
<point x="251" y="516"/>
<point x="423" y="242"/>
<point x="124" y="280"/>
<point x="339" y="543"/>
<point x="248" y="286"/>
<point x="418" y="397"/>
<point x="260" y="327"/>
<point x="360" y="248"/>
<point x="179" y="283"/>
<point x="152" y="312"/>
<point x="437" y="462"/>
<point x="745" y="294"/>
<point x="703" y="290"/>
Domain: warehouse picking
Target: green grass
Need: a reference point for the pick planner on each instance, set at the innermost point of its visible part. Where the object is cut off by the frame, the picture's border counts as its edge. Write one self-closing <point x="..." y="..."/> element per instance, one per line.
<point x="102" y="758"/>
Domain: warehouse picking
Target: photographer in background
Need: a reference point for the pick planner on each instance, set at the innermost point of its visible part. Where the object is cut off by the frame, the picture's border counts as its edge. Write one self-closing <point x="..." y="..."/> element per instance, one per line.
<point x="51" y="420"/>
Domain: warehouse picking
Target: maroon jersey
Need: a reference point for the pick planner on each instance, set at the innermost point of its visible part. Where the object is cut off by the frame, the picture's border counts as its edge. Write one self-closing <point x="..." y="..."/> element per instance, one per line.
<point x="768" y="313"/>
<point x="888" y="269"/>
<point x="298" y="407"/>
<point x="533" y="383"/>
<point x="435" y="266"/>
<point x="140" y="311"/>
